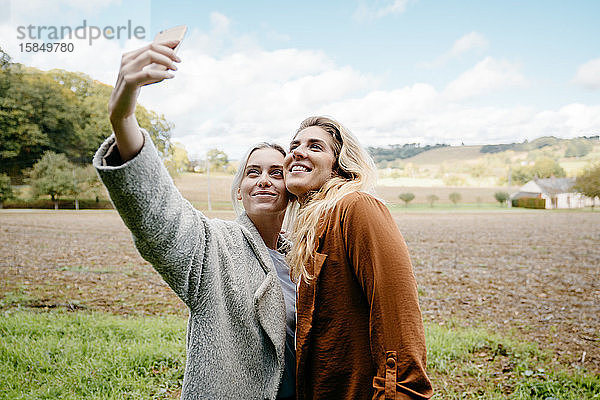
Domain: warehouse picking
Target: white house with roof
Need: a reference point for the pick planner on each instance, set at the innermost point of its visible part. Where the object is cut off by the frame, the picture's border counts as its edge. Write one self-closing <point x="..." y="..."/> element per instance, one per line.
<point x="558" y="193"/>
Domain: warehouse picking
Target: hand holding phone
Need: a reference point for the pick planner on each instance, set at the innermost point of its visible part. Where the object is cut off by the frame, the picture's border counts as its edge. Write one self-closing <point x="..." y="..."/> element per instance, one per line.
<point x="140" y="67"/>
<point x="172" y="34"/>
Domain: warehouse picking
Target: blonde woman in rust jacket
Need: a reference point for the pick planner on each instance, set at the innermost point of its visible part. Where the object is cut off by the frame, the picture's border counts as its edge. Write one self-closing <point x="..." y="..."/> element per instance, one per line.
<point x="223" y="271"/>
<point x="359" y="329"/>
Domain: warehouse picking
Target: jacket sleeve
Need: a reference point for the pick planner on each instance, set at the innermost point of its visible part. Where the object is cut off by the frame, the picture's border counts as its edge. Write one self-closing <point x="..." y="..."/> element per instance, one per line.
<point x="380" y="260"/>
<point x="168" y="232"/>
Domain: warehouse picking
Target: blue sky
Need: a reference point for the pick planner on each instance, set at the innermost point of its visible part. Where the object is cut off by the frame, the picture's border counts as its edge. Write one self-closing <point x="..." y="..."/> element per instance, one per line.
<point x="392" y="71"/>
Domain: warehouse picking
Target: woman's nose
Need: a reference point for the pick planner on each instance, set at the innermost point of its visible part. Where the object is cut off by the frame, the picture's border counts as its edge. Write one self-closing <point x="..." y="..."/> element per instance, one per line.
<point x="298" y="152"/>
<point x="264" y="180"/>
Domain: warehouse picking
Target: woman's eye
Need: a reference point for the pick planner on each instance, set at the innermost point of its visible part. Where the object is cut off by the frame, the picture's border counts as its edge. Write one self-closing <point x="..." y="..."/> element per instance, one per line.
<point x="252" y="172"/>
<point x="316" y="146"/>
<point x="277" y="172"/>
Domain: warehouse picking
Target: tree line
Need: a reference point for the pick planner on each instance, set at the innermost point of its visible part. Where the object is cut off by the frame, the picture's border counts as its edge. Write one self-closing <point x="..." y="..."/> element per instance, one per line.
<point x="52" y="123"/>
<point x="586" y="183"/>
<point x="454" y="197"/>
<point x="577" y="147"/>
<point x="397" y="151"/>
<point x="61" y="112"/>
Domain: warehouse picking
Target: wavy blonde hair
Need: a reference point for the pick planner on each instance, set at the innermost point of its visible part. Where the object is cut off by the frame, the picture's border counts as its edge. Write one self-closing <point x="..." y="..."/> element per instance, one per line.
<point x="353" y="170"/>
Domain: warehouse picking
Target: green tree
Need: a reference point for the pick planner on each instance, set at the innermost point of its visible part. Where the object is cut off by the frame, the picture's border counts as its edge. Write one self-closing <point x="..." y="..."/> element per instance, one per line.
<point x="406" y="198"/>
<point x="92" y="183"/>
<point x="61" y="111"/>
<point x="539" y="143"/>
<point x="522" y="174"/>
<point x="4" y="69"/>
<point x="158" y="128"/>
<point x="91" y="99"/>
<point x="85" y="179"/>
<point x="52" y="175"/>
<point x="21" y="140"/>
<point x="432" y="198"/>
<point x="36" y="114"/>
<point x="6" y="191"/>
<point x="178" y="160"/>
<point x="453" y="180"/>
<point x="501" y="197"/>
<point x="546" y="167"/>
<point x="588" y="182"/>
<point x="479" y="170"/>
<point x="455" y="197"/>
<point x="79" y="83"/>
<point x="578" y="148"/>
<point x="217" y="159"/>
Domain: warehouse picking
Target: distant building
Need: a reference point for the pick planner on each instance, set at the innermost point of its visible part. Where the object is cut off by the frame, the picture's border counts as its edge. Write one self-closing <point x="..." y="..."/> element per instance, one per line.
<point x="558" y="193"/>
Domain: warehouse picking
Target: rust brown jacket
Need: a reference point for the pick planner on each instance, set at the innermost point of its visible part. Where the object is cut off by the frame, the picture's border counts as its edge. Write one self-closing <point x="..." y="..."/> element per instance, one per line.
<point x="359" y="329"/>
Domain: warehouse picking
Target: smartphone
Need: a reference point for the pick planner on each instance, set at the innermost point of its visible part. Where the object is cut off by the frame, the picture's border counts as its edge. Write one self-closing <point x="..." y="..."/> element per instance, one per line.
<point x="175" y="33"/>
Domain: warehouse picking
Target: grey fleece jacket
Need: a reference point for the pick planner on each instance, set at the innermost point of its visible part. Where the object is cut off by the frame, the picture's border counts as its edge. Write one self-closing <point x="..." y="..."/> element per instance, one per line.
<point x="220" y="269"/>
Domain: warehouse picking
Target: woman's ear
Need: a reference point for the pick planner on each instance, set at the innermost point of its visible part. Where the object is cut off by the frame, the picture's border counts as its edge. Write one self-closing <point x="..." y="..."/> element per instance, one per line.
<point x="239" y="194"/>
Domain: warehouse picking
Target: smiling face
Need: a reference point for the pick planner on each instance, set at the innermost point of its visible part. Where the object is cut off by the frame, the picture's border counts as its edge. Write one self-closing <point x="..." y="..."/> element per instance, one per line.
<point x="309" y="164"/>
<point x="262" y="189"/>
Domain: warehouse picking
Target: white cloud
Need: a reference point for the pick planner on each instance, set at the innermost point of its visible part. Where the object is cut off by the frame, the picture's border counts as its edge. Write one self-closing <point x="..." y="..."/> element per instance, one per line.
<point x="368" y="12"/>
<point x="420" y="114"/>
<point x="219" y="22"/>
<point x="100" y="59"/>
<point x="86" y="58"/>
<point x="381" y="112"/>
<point x="34" y="8"/>
<point x="230" y="93"/>
<point x="234" y="101"/>
<point x="470" y="42"/>
<point x="248" y="96"/>
<point x="580" y="118"/>
<point x="588" y="74"/>
<point x="486" y="76"/>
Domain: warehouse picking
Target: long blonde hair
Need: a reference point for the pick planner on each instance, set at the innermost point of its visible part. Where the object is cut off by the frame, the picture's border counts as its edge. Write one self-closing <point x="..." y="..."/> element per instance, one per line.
<point x="353" y="170"/>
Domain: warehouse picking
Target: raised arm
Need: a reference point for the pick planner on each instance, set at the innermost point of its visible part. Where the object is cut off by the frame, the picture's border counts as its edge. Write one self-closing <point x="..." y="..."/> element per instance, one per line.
<point x="168" y="231"/>
<point x="136" y="71"/>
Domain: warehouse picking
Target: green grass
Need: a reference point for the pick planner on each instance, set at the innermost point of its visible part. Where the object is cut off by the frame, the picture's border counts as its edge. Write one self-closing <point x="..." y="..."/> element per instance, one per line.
<point x="470" y="363"/>
<point x="100" y="356"/>
<point x="91" y="356"/>
<point x="15" y="297"/>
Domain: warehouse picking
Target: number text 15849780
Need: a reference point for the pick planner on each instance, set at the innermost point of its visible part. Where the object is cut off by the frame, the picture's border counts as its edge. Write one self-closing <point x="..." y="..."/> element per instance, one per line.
<point x="47" y="47"/>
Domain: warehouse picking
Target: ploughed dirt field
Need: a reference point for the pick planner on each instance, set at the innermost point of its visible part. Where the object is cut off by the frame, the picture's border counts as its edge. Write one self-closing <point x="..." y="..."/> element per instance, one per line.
<point x="533" y="274"/>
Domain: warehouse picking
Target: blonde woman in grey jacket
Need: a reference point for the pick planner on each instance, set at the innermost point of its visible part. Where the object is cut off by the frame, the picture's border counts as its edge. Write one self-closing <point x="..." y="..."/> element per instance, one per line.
<point x="229" y="273"/>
